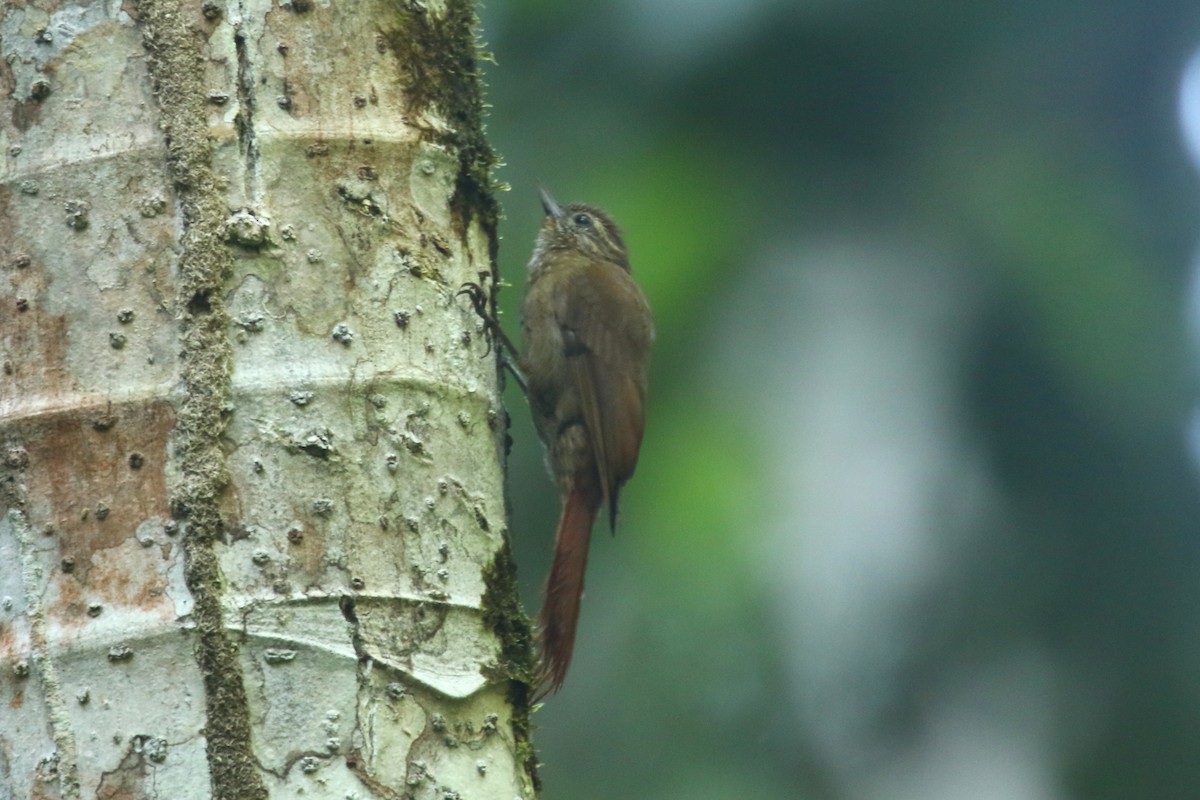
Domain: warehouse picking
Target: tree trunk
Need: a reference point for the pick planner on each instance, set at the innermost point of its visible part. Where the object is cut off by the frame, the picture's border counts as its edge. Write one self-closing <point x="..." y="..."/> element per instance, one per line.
<point x="253" y="539"/>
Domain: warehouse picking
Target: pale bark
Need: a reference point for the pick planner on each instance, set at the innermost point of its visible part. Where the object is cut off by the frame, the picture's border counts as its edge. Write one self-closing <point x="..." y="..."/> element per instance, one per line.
<point x="253" y="536"/>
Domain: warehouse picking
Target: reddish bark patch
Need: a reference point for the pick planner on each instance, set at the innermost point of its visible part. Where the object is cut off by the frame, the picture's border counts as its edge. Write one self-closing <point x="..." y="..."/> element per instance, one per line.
<point x="131" y="780"/>
<point x="34" y="346"/>
<point x="79" y="478"/>
<point x="84" y="497"/>
<point x="33" y="341"/>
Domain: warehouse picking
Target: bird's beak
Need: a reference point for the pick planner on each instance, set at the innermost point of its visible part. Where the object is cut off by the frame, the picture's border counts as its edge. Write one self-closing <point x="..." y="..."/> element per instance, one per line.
<point x="548" y="203"/>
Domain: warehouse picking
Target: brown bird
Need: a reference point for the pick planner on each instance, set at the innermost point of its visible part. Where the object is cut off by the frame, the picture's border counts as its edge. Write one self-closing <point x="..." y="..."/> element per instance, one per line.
<point x="587" y="330"/>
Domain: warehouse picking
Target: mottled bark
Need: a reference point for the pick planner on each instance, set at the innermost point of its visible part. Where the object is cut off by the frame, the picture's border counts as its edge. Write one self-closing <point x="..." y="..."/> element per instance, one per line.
<point x="253" y="540"/>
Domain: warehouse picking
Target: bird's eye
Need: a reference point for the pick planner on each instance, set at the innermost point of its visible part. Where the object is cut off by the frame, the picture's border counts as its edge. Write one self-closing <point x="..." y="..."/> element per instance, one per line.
<point x="583" y="220"/>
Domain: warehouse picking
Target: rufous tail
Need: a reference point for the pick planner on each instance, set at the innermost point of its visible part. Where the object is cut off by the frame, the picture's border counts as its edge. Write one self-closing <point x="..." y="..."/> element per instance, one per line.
<point x="564" y="588"/>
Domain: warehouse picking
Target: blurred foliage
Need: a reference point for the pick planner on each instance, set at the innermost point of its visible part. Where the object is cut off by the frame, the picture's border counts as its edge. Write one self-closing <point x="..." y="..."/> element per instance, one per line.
<point x="916" y="515"/>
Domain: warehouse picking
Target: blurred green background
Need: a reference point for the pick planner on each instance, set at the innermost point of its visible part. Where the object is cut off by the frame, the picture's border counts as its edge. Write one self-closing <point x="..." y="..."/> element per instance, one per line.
<point x="917" y="514"/>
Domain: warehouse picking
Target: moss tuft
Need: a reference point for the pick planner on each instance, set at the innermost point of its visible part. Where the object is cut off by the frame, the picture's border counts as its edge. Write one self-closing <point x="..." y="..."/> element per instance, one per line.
<point x="503" y="615"/>
<point x="441" y="53"/>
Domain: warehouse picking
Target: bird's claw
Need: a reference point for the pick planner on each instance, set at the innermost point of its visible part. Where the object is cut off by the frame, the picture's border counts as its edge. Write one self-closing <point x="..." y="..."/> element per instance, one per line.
<point x="478" y="297"/>
<point x="479" y="301"/>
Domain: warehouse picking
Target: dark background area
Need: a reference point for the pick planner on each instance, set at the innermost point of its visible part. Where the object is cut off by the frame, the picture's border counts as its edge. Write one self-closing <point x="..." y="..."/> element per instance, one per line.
<point x="917" y="512"/>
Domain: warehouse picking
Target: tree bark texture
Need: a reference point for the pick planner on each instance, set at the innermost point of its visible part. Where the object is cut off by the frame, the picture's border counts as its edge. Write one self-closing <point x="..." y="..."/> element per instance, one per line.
<point x="253" y="539"/>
